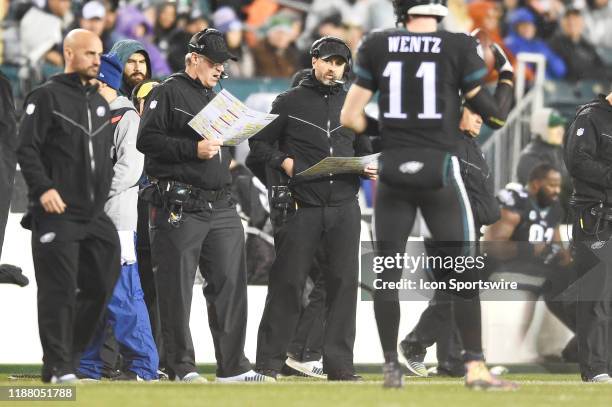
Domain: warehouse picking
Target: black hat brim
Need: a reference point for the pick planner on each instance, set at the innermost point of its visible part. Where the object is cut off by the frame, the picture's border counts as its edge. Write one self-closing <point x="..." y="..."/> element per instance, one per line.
<point x="219" y="57"/>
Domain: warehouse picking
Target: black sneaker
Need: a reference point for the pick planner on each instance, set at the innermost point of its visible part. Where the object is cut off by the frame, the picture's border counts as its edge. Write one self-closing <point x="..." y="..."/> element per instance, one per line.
<point x="287" y="371"/>
<point x="84" y="378"/>
<point x="412" y="355"/>
<point x="344" y="376"/>
<point x="110" y="373"/>
<point x="128" y="376"/>
<point x="450" y="371"/>
<point x="162" y="375"/>
<point x="392" y="375"/>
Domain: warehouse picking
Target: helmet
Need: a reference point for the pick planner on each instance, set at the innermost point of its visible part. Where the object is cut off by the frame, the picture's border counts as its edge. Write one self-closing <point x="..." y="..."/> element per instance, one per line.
<point x="327" y="46"/>
<point x="434" y="8"/>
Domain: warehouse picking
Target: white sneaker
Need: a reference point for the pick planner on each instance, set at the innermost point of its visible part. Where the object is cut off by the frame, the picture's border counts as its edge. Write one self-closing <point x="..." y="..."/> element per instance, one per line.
<point x="250" y="376"/>
<point x="65" y="379"/>
<point x="310" y="369"/>
<point x="602" y="378"/>
<point x="193" y="377"/>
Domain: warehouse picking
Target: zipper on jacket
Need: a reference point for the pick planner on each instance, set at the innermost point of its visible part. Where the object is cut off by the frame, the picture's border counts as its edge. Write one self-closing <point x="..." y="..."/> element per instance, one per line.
<point x="91" y="153"/>
<point x="331" y="147"/>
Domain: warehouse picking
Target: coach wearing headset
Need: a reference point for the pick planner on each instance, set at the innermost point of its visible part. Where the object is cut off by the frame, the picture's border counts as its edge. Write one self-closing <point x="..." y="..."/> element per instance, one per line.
<point x="193" y="221"/>
<point x="319" y="212"/>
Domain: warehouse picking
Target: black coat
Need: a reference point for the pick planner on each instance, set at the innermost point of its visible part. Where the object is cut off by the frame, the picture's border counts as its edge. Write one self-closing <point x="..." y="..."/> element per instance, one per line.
<point x="588" y="152"/>
<point x="581" y="59"/>
<point x="8" y="145"/>
<point x="63" y="123"/>
<point x="308" y="130"/>
<point x="478" y="182"/>
<point x="170" y="144"/>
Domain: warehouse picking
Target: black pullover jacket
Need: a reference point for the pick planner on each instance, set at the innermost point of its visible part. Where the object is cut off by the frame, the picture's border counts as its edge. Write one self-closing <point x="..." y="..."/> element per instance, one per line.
<point x="308" y="130"/>
<point x="66" y="139"/>
<point x="170" y="145"/>
<point x="588" y="152"/>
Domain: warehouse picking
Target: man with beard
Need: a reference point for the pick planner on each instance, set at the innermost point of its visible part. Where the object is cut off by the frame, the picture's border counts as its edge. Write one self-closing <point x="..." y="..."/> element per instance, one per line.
<point x="137" y="68"/>
<point x="136" y="64"/>
<point x="321" y="213"/>
<point x="64" y="156"/>
<point x="527" y="243"/>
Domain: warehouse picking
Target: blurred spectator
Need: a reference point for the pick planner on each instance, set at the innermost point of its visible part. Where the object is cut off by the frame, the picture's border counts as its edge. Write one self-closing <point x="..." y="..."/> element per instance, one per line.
<point x="136" y="64"/>
<point x="547" y="128"/>
<point x="226" y="21"/>
<point x="372" y="14"/>
<point x="485" y="15"/>
<point x="258" y="13"/>
<point x="365" y="15"/>
<point x="547" y="14"/>
<point x="109" y="35"/>
<point x="507" y="7"/>
<point x="93" y="17"/>
<point x="131" y="23"/>
<point x="597" y="18"/>
<point x="165" y="23"/>
<point x="522" y="38"/>
<point x="458" y="19"/>
<point x="51" y="21"/>
<point x="276" y="55"/>
<point x="579" y="55"/>
<point x="196" y="22"/>
<point x="331" y="25"/>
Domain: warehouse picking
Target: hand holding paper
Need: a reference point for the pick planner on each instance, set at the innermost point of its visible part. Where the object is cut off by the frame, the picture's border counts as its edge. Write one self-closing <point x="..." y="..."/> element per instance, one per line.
<point x="207" y="149"/>
<point x="342" y="165"/>
<point x="228" y="119"/>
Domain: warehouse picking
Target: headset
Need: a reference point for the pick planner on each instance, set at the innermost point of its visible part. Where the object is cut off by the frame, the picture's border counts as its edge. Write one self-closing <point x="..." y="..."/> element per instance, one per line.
<point x="315" y="49"/>
<point x="199" y="49"/>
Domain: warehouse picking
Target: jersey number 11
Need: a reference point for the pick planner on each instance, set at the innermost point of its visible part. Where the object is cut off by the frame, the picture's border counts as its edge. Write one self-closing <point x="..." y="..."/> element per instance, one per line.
<point x="426" y="71"/>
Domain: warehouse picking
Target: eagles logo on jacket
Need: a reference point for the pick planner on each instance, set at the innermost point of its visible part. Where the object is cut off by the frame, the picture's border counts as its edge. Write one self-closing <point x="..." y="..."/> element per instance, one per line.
<point x="66" y="139"/>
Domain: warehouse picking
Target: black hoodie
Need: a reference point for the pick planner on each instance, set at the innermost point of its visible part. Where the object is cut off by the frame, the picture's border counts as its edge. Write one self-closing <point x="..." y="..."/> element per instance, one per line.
<point x="308" y="130"/>
<point x="588" y="152"/>
<point x="170" y="145"/>
<point x="66" y="140"/>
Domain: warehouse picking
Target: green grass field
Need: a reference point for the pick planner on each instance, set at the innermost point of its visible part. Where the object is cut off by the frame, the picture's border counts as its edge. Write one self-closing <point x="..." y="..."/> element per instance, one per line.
<point x="536" y="390"/>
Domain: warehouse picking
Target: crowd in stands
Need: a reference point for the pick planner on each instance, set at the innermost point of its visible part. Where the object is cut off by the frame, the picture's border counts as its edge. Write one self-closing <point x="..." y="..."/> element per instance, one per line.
<point x="272" y="37"/>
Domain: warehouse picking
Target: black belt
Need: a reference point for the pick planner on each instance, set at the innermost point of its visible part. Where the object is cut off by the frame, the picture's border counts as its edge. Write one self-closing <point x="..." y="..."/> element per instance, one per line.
<point x="196" y="193"/>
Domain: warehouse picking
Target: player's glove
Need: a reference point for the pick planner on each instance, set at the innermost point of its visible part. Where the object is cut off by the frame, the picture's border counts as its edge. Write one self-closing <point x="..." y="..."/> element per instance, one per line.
<point x="501" y="60"/>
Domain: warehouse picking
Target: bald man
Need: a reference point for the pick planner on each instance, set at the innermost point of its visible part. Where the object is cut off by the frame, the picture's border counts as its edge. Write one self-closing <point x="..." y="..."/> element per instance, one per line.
<point x="64" y="155"/>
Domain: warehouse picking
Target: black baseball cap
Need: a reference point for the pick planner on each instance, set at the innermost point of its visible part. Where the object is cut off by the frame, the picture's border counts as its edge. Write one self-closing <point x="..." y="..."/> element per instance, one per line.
<point x="328" y="48"/>
<point x="211" y="43"/>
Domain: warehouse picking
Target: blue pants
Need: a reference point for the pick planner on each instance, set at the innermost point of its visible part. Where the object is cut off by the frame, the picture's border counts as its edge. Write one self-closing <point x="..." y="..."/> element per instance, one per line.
<point x="127" y="314"/>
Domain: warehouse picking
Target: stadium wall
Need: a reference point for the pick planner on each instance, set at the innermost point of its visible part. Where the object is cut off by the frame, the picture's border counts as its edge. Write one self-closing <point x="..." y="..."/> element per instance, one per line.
<point x="509" y="337"/>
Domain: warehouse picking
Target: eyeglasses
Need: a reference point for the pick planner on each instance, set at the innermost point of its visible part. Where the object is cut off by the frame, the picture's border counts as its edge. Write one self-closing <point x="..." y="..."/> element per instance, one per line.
<point x="212" y="63"/>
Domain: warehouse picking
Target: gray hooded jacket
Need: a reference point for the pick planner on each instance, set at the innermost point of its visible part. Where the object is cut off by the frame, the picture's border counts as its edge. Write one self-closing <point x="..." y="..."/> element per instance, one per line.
<point x="122" y="202"/>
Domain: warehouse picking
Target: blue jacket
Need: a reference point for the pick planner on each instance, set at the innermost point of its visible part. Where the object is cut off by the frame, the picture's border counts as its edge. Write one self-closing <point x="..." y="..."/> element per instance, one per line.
<point x="555" y="67"/>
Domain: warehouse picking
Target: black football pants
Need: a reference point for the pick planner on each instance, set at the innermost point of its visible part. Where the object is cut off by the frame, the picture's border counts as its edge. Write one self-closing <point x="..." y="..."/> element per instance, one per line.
<point x="307" y="343"/>
<point x="336" y="229"/>
<point x="448" y="215"/>
<point x="76" y="267"/>
<point x="214" y="240"/>
<point x="593" y="264"/>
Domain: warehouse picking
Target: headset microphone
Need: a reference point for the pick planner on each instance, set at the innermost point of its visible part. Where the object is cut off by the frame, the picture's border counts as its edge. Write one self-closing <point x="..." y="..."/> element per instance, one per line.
<point x="223" y="75"/>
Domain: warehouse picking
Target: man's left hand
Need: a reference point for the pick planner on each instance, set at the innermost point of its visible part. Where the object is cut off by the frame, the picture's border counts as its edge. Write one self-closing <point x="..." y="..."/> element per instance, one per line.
<point x="371" y="171"/>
